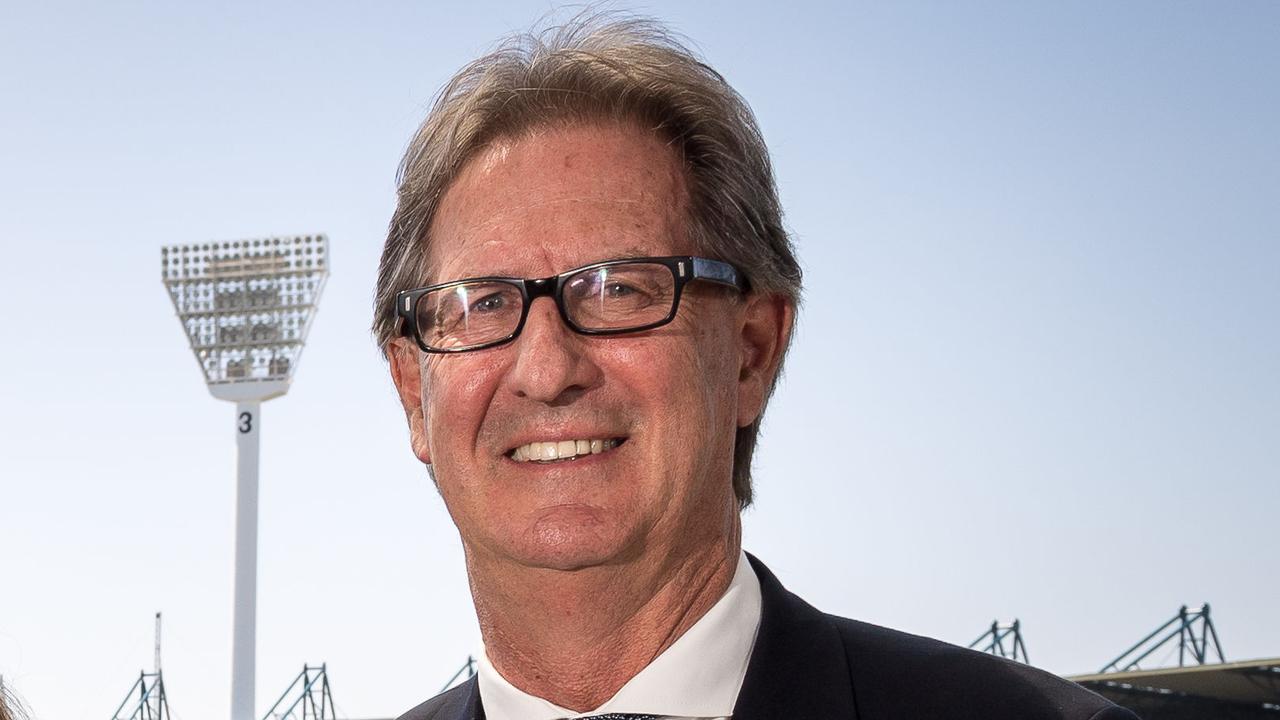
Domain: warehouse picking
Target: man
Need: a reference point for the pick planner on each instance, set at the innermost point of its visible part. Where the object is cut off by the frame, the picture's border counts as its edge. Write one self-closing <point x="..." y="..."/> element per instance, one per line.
<point x="585" y="298"/>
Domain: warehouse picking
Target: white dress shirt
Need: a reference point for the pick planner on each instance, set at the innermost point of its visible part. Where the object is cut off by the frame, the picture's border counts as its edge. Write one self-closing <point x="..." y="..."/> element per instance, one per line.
<point x="699" y="676"/>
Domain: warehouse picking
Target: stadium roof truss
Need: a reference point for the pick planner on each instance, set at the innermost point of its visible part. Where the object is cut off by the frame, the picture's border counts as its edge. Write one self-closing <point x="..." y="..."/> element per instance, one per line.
<point x="1003" y="640"/>
<point x="1191" y="630"/>
<point x="307" y="697"/>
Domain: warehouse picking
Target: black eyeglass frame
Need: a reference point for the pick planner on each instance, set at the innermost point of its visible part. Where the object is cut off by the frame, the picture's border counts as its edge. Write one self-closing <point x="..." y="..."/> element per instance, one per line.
<point x="684" y="268"/>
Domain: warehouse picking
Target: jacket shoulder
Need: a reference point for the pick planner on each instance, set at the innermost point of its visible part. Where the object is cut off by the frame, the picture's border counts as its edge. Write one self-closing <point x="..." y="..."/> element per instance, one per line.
<point x="897" y="674"/>
<point x="448" y="705"/>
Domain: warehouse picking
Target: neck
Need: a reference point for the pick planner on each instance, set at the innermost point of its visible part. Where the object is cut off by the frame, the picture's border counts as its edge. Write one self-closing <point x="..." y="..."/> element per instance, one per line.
<point x="576" y="637"/>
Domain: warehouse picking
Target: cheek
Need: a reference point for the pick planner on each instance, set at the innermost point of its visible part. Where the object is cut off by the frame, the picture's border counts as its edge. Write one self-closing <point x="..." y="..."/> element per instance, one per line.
<point x="687" y="383"/>
<point x="717" y="368"/>
<point x="456" y="392"/>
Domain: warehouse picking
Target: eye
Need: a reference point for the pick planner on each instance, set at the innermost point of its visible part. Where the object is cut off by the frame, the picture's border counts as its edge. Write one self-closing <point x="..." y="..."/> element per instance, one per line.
<point x="489" y="303"/>
<point x="618" y="290"/>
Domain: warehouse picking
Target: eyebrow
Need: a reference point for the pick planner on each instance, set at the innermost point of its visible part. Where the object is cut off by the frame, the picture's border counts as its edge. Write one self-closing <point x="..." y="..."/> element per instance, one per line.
<point x="631" y="251"/>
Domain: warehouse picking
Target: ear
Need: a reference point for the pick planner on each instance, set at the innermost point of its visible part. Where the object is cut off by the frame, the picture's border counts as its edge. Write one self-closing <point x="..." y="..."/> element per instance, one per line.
<point x="766" y="328"/>
<point x="406" y="373"/>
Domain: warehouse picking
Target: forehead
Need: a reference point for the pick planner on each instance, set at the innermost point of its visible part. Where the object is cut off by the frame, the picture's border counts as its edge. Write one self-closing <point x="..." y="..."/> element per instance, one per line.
<point x="555" y="198"/>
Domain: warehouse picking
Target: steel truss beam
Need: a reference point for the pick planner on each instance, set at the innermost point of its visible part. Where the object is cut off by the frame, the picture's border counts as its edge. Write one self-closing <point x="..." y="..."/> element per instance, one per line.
<point x="1003" y="640"/>
<point x="1192" y="630"/>
<point x="306" y="698"/>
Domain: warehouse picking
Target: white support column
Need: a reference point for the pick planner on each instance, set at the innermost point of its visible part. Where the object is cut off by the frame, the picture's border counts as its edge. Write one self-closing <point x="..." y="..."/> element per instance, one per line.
<point x="244" y="633"/>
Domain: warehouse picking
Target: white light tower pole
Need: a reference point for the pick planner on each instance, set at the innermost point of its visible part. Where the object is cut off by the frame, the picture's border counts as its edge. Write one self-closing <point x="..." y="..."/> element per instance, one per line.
<point x="246" y="307"/>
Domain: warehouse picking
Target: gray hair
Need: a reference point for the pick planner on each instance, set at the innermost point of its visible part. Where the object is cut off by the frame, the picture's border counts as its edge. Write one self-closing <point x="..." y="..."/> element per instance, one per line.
<point x="11" y="708"/>
<point x="602" y="68"/>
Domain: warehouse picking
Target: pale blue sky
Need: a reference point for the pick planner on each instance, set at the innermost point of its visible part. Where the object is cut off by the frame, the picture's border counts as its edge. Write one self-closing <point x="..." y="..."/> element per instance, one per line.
<point x="1035" y="374"/>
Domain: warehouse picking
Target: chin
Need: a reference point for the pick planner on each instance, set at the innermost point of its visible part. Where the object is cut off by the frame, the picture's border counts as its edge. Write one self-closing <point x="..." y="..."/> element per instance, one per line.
<point x="572" y="538"/>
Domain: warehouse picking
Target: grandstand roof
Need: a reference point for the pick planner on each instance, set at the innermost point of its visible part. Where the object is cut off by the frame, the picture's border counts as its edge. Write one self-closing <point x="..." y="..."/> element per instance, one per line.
<point x="1254" y="682"/>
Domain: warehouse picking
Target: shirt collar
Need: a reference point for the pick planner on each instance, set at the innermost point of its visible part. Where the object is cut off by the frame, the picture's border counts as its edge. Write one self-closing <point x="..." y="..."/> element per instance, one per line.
<point x="698" y="676"/>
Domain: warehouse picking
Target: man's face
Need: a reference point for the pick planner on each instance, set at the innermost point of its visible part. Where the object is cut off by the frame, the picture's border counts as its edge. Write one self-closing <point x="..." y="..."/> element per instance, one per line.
<point x="672" y="397"/>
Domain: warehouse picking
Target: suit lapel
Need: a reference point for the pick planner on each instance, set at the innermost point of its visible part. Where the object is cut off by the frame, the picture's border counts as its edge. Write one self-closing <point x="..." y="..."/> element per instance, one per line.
<point x="798" y="668"/>
<point x="463" y="705"/>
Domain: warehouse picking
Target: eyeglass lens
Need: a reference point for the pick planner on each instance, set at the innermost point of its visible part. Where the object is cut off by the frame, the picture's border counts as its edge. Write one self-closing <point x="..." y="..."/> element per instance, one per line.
<point x="612" y="297"/>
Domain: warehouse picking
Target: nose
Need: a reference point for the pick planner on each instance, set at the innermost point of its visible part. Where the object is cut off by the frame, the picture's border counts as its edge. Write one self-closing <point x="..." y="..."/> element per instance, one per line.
<point x="552" y="365"/>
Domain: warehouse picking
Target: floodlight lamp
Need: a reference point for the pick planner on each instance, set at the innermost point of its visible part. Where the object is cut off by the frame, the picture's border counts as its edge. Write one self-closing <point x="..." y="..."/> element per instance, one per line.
<point x="246" y="307"/>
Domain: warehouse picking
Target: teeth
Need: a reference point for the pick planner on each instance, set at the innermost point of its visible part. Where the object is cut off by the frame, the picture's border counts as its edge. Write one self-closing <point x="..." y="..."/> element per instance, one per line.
<point x="561" y="450"/>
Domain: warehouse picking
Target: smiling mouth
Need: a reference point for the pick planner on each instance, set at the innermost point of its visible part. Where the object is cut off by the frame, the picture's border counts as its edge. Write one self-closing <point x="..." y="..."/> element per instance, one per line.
<point x="563" y="450"/>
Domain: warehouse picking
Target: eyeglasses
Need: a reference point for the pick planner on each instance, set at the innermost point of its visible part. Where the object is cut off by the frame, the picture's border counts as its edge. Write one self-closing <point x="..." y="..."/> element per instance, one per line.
<point x="605" y="298"/>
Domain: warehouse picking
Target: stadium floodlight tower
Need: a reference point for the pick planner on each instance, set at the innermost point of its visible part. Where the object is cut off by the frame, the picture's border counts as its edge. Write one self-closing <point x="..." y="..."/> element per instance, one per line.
<point x="246" y="307"/>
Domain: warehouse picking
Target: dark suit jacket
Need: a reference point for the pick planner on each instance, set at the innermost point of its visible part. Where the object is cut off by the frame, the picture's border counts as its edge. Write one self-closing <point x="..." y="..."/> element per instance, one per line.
<point x="807" y="665"/>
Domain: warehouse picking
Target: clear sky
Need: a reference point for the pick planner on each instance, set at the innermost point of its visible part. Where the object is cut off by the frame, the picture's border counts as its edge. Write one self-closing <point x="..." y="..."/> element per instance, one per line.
<point x="1035" y="374"/>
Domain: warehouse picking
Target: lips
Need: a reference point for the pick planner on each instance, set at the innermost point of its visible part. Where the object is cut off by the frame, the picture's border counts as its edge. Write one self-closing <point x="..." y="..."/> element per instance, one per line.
<point x="562" y="450"/>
